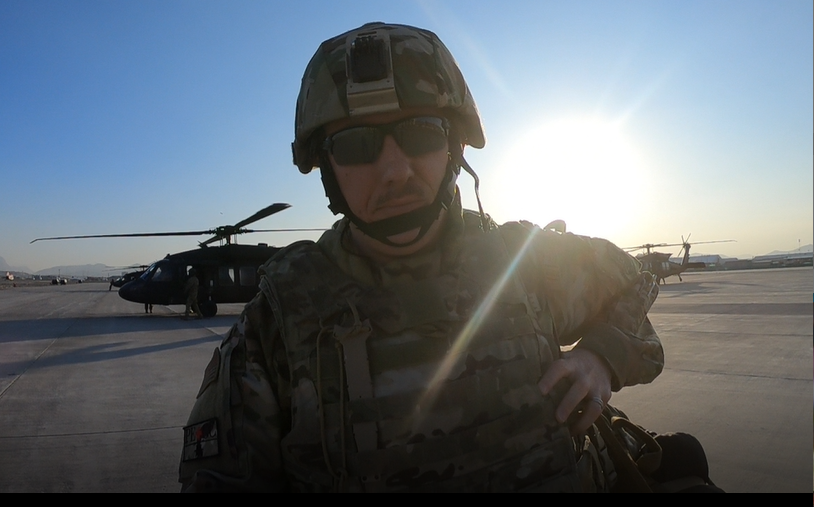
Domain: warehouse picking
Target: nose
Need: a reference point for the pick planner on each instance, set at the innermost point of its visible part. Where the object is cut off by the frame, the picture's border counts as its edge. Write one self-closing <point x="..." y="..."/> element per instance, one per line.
<point x="132" y="291"/>
<point x="393" y="164"/>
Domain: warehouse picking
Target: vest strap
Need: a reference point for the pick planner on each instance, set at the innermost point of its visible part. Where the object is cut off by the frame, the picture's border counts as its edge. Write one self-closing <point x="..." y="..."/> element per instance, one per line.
<point x="360" y="385"/>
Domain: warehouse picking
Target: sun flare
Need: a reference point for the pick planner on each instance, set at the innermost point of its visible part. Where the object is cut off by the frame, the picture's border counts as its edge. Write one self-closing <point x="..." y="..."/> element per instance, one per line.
<point x="584" y="171"/>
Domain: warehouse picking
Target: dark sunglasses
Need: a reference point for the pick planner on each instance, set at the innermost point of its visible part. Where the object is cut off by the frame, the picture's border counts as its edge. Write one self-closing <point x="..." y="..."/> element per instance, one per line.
<point x="363" y="145"/>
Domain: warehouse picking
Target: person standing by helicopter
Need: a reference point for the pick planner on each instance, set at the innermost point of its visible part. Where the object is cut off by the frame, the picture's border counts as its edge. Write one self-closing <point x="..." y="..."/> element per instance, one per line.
<point x="191" y="293"/>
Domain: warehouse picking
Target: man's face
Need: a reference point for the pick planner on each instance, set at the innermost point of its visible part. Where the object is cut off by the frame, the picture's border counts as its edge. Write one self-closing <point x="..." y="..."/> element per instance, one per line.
<point x="395" y="183"/>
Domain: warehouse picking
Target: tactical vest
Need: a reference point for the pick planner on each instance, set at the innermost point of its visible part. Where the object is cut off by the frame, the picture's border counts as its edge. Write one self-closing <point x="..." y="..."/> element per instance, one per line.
<point x="424" y="386"/>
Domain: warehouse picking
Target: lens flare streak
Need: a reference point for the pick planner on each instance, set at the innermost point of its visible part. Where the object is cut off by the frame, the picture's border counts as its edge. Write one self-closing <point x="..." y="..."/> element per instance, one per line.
<point x="469" y="330"/>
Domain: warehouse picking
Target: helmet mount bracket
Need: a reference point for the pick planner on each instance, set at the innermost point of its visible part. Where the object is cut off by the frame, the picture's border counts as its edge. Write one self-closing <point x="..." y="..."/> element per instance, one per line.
<point x="371" y="86"/>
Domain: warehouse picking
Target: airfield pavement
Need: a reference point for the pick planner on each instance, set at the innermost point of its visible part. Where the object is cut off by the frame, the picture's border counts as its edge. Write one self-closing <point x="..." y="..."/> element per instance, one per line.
<point x="94" y="393"/>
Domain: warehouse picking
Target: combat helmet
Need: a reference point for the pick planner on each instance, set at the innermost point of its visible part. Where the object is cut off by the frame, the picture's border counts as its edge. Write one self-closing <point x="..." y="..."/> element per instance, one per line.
<point x="377" y="68"/>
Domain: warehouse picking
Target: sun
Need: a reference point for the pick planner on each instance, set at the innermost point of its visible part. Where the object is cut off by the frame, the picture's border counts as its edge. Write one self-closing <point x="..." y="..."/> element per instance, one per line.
<point x="584" y="171"/>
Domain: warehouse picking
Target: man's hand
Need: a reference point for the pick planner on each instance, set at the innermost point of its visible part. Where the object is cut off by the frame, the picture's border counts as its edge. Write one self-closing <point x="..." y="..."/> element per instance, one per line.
<point x="590" y="387"/>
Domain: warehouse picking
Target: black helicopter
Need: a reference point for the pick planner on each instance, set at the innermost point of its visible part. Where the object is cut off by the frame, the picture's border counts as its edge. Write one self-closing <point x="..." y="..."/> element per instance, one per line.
<point x="659" y="264"/>
<point x="128" y="276"/>
<point x="227" y="273"/>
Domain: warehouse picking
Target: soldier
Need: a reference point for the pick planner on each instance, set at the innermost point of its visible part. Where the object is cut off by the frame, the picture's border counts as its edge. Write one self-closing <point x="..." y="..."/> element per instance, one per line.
<point x="417" y="346"/>
<point x="191" y="293"/>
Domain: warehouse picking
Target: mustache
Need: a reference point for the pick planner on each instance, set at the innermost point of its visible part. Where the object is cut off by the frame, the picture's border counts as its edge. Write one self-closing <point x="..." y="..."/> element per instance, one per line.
<point x="410" y="189"/>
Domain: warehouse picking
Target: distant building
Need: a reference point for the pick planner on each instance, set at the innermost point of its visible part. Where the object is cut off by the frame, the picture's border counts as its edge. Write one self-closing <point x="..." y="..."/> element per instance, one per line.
<point x="737" y="264"/>
<point x="779" y="260"/>
<point x="711" y="261"/>
<point x="783" y="260"/>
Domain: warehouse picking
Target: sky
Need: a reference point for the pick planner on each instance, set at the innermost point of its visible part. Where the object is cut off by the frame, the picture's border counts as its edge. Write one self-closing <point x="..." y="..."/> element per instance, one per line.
<point x="635" y="121"/>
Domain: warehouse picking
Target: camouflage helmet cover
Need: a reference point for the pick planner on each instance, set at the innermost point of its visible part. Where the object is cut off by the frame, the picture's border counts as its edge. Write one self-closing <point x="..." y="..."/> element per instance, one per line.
<point x="415" y="70"/>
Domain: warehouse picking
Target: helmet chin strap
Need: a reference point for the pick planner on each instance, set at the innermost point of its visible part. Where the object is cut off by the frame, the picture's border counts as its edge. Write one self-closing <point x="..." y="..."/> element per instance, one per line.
<point x="381" y="230"/>
<point x="460" y="161"/>
<point x="421" y="218"/>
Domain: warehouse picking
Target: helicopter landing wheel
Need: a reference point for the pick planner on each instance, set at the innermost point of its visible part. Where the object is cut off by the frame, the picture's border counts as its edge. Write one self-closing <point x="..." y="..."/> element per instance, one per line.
<point x="208" y="309"/>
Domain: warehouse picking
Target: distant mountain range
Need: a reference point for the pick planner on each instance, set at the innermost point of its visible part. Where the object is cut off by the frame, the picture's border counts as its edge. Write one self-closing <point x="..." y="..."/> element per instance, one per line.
<point x="104" y="271"/>
<point x="696" y="255"/>
<point x="802" y="249"/>
<point x="5" y="267"/>
<point x="83" y="271"/>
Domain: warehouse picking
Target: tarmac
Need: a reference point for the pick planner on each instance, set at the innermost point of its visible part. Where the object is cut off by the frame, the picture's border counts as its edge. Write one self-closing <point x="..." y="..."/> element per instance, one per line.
<point x="94" y="392"/>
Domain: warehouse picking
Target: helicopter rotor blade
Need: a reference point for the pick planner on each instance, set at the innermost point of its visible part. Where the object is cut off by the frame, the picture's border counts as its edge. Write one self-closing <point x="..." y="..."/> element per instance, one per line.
<point x="133" y="235"/>
<point x="684" y="242"/>
<point x="248" y="231"/>
<point x="125" y="268"/>
<point x="286" y="230"/>
<point x="718" y="241"/>
<point x="263" y="213"/>
<point x="646" y="245"/>
<point x="227" y="231"/>
<point x="211" y="240"/>
<point x="223" y="232"/>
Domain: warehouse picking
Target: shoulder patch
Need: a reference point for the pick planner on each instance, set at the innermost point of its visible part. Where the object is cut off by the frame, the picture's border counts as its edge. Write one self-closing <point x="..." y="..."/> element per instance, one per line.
<point x="210" y="373"/>
<point x="201" y="440"/>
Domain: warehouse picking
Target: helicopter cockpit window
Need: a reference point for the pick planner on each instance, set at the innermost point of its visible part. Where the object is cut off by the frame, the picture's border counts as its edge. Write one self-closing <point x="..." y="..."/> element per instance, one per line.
<point x="149" y="273"/>
<point x="248" y="276"/>
<point x="226" y="276"/>
<point x="162" y="274"/>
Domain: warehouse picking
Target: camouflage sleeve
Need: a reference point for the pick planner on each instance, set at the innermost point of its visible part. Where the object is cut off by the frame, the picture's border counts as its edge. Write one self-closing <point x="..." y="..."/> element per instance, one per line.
<point x="599" y="297"/>
<point x="232" y="438"/>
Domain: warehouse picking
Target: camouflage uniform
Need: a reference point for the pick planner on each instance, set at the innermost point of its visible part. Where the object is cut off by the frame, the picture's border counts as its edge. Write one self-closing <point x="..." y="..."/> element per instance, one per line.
<point x="191" y="292"/>
<point x="296" y="407"/>
<point x="420" y="374"/>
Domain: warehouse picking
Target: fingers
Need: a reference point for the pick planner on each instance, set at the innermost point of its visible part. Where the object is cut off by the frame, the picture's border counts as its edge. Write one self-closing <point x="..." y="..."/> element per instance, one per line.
<point x="557" y="371"/>
<point x="589" y="389"/>
<point x="590" y="413"/>
<point x="582" y="406"/>
<point x="582" y="400"/>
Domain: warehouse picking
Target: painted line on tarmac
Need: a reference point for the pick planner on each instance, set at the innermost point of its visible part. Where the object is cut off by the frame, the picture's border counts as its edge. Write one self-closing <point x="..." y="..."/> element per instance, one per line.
<point x="5" y="390"/>
<point x="32" y="363"/>
<point x="744" y="375"/>
<point x="87" y="433"/>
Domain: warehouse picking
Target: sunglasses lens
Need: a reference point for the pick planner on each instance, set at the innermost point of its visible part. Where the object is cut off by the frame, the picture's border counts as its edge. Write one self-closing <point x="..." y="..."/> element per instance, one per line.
<point x="358" y="145"/>
<point x="363" y="145"/>
<point x="420" y="136"/>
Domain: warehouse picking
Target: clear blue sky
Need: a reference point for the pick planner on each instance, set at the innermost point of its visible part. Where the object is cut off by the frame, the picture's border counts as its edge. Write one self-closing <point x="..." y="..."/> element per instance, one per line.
<point x="638" y="121"/>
